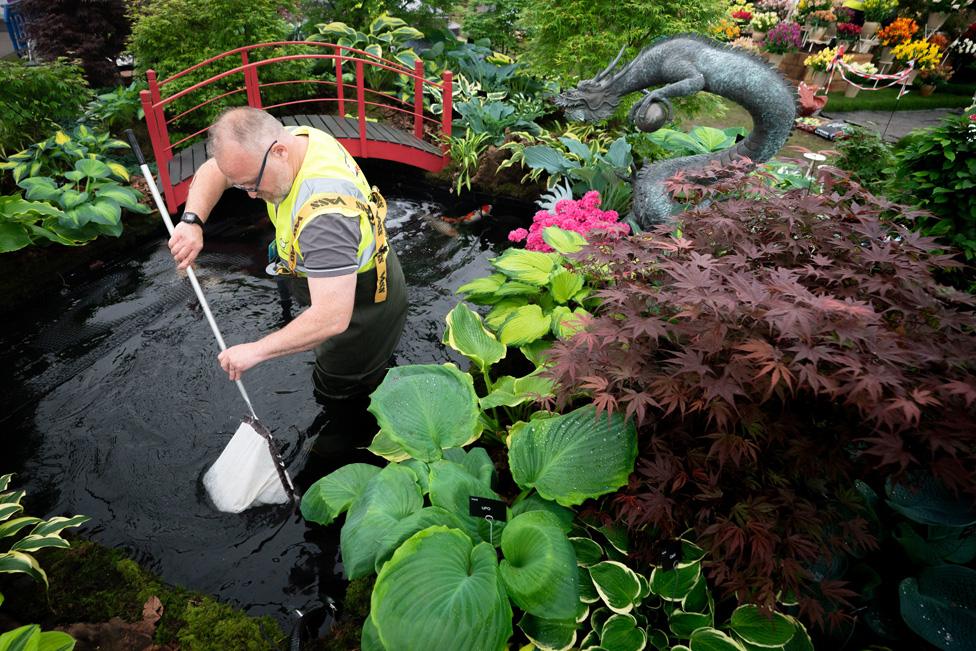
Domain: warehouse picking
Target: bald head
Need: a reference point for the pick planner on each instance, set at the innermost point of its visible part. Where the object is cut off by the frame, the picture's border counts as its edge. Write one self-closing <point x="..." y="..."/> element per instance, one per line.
<point x="249" y="128"/>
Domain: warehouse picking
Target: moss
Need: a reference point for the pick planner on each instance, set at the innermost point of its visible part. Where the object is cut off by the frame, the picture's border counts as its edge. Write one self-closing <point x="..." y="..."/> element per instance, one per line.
<point x="91" y="583"/>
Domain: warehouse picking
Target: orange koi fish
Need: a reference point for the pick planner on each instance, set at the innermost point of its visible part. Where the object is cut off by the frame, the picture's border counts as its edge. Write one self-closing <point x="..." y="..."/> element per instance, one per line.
<point x="471" y="217"/>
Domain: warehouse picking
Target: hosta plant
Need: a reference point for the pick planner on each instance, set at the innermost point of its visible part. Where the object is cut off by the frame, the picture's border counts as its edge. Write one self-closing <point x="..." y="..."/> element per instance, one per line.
<point x="79" y="181"/>
<point x="21" y="536"/>
<point x="775" y="347"/>
<point x="586" y="165"/>
<point x="535" y="296"/>
<point x="446" y="578"/>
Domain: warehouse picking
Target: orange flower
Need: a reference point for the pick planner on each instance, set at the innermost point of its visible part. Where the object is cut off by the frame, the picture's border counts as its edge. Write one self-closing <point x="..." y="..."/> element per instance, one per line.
<point x="899" y="31"/>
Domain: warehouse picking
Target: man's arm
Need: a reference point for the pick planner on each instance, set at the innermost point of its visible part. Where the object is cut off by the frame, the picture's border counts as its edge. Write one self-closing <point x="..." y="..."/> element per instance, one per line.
<point x="332" y="303"/>
<point x="205" y="190"/>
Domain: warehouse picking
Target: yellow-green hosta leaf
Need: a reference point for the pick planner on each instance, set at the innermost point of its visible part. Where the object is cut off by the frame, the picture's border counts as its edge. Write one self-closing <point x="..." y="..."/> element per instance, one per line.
<point x="497" y="315"/>
<point x="531" y="267"/>
<point x="539" y="566"/>
<point x="119" y="170"/>
<point x="92" y="168"/>
<point x="524" y="325"/>
<point x="573" y="457"/>
<point x="616" y="584"/>
<point x="565" y="284"/>
<point x="332" y="495"/>
<point x="482" y="287"/>
<point x="441" y="591"/>
<point x="563" y="241"/>
<point x="517" y="288"/>
<point x="61" y="138"/>
<point x="712" y="639"/>
<point x="466" y="334"/>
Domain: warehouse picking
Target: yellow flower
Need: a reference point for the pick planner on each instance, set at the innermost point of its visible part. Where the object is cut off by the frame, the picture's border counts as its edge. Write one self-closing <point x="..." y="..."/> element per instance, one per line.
<point x="925" y="55"/>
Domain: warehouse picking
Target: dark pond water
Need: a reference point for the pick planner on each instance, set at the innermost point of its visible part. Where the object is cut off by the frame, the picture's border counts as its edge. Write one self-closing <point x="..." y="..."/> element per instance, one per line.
<point x="113" y="405"/>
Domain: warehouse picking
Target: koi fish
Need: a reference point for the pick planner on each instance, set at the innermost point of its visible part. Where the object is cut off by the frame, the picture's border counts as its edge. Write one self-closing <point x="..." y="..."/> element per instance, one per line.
<point x="471" y="217"/>
<point x="440" y="226"/>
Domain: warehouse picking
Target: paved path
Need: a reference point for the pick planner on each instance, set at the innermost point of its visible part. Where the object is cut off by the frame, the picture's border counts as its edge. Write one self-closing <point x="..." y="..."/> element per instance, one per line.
<point x="902" y="122"/>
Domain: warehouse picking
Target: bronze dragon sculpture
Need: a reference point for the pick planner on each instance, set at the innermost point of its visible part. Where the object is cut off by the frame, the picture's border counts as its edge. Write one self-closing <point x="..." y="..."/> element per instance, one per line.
<point x="682" y="65"/>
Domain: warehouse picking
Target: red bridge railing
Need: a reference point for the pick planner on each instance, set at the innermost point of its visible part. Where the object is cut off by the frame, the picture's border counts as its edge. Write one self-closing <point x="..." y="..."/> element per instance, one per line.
<point x="155" y="104"/>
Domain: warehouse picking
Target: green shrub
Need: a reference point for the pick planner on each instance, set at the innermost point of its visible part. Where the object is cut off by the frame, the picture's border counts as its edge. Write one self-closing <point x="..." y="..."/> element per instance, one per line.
<point x="171" y="35"/>
<point x="37" y="99"/>
<point x="495" y="24"/>
<point x="574" y="40"/>
<point x="118" y="108"/>
<point x="936" y="170"/>
<point x="865" y="156"/>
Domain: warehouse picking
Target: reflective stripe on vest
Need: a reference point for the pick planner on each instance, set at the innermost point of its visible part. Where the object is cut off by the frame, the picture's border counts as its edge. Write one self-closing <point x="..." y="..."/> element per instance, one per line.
<point x="329" y="181"/>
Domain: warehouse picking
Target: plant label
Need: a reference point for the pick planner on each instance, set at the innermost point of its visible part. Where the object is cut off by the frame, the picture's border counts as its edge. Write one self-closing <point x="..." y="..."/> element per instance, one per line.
<point x="484" y="507"/>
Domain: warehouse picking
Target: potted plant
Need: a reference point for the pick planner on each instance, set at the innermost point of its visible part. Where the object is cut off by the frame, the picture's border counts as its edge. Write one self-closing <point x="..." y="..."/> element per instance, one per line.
<point x="725" y="30"/>
<point x="898" y="32"/>
<point x="819" y="64"/>
<point x="930" y="79"/>
<point x="857" y="75"/>
<point x="848" y="33"/>
<point x="762" y="22"/>
<point x="925" y="55"/>
<point x="875" y="13"/>
<point x="784" y="37"/>
<point x="821" y="20"/>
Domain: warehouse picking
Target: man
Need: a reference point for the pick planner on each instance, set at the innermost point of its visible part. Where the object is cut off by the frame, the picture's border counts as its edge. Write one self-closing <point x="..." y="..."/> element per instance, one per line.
<point x="329" y="237"/>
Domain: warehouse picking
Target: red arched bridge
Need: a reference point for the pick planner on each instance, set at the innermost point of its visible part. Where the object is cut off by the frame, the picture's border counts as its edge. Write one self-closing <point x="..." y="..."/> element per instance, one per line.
<point x="419" y="146"/>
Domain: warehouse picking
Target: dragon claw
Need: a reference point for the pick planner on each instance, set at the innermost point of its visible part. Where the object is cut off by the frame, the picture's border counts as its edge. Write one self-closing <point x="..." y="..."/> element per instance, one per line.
<point x="651" y="113"/>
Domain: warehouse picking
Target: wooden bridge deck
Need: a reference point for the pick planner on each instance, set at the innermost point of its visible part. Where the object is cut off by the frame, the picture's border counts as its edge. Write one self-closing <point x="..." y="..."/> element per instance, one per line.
<point x="185" y="164"/>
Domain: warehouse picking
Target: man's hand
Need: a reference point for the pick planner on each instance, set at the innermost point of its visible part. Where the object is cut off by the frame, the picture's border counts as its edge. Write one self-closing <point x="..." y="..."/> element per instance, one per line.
<point x="186" y="243"/>
<point x="237" y="359"/>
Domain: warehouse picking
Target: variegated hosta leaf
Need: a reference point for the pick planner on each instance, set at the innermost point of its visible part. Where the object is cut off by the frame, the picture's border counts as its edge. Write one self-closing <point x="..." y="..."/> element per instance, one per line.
<point x="32" y="543"/>
<point x="676" y="584"/>
<point x="441" y="591"/>
<point x="549" y="634"/>
<point x="621" y="633"/>
<point x="761" y="628"/>
<point x="617" y="585"/>
<point x="58" y="524"/>
<point x="11" y="527"/>
<point x="466" y="334"/>
<point x="18" y="562"/>
<point x="712" y="639"/>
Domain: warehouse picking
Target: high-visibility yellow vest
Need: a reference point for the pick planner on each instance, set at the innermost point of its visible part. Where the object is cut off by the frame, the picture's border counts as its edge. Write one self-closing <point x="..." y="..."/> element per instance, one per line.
<point x="328" y="183"/>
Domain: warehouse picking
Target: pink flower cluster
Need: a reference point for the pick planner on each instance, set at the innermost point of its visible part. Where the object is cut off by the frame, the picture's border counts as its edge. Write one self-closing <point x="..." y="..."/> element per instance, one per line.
<point x="581" y="216"/>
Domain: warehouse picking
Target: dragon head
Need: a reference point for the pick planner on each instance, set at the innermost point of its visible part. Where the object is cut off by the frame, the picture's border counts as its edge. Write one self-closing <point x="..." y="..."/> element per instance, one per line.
<point x="593" y="99"/>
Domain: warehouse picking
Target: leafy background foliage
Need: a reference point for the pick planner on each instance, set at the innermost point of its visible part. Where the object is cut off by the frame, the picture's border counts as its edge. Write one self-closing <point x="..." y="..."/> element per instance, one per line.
<point x="774" y="349"/>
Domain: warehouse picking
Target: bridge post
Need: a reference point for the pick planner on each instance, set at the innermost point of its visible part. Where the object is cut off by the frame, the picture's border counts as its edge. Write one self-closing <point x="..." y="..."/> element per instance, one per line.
<point x="361" y="110"/>
<point x="418" y="99"/>
<point x="251" y="84"/>
<point x="158" y="136"/>
<point x="339" y="84"/>
<point x="447" y="106"/>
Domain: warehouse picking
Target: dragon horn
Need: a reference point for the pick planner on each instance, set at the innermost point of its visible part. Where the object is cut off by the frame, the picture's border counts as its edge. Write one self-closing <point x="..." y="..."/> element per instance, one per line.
<point x="612" y="64"/>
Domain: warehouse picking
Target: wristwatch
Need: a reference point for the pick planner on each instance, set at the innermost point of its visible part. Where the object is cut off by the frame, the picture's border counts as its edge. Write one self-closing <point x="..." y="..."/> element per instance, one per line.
<point x="191" y="218"/>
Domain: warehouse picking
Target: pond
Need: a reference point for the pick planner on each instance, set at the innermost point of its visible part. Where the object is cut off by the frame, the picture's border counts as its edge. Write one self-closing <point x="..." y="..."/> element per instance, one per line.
<point x="113" y="405"/>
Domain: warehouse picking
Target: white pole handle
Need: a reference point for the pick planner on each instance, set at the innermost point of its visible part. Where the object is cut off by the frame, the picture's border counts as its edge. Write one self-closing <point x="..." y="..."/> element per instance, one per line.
<point x="160" y="204"/>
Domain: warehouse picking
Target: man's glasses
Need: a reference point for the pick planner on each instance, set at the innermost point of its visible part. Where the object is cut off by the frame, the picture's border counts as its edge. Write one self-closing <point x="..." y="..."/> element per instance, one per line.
<point x="257" y="183"/>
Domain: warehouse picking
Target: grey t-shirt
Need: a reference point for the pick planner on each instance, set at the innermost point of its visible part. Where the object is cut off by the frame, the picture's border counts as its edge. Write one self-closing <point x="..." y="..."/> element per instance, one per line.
<point x="329" y="244"/>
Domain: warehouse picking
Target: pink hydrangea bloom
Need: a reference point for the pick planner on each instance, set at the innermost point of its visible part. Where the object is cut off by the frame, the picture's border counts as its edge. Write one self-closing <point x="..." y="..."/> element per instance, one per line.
<point x="580" y="216"/>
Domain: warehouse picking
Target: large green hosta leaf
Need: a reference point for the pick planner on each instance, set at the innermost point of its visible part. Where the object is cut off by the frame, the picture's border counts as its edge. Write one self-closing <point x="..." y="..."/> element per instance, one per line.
<point x="573" y="457"/>
<point x="440" y="591"/>
<point x="466" y="334"/>
<point x="940" y="606"/>
<point x="924" y="499"/>
<point x="451" y="486"/>
<point x="531" y="267"/>
<point x="390" y="496"/>
<point x="475" y="461"/>
<point x="332" y="495"/>
<point x="426" y="408"/>
<point x="426" y="517"/>
<point x="539" y="567"/>
<point x="30" y="638"/>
